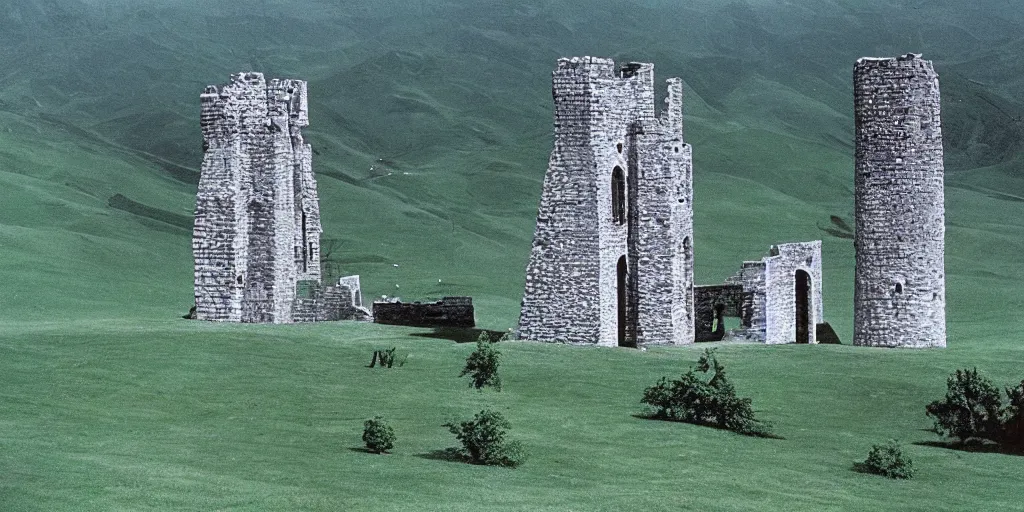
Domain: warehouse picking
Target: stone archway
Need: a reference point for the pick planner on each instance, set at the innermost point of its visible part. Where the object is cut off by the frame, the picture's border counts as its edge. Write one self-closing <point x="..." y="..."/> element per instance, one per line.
<point x="803" y="306"/>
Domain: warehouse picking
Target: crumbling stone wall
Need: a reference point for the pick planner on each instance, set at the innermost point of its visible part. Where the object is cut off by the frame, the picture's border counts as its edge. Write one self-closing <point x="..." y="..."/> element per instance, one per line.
<point x="257" y="222"/>
<point x="616" y="196"/>
<point x="713" y="303"/>
<point x="781" y="268"/>
<point x="764" y="295"/>
<point x="447" y="312"/>
<point x="900" y="291"/>
<point x="340" y="301"/>
<point x="660" y="241"/>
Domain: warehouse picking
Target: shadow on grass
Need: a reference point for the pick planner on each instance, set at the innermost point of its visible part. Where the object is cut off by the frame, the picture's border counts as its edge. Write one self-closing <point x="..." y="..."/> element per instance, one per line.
<point x="447" y="455"/>
<point x="363" y="449"/>
<point x="863" y="467"/>
<point x="761" y="430"/>
<point x="458" y="334"/>
<point x="975" y="447"/>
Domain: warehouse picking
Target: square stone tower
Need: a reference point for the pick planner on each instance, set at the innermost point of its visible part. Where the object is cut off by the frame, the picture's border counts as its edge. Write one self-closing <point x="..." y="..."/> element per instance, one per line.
<point x="612" y="257"/>
<point x="257" y="220"/>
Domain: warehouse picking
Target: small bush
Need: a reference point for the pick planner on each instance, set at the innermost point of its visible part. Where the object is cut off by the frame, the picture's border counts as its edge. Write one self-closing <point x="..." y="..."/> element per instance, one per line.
<point x="712" y="402"/>
<point x="482" y="364"/>
<point x="385" y="358"/>
<point x="1013" y="417"/>
<point x="378" y="435"/>
<point x="970" y="410"/>
<point x="483" y="440"/>
<point x="889" y="460"/>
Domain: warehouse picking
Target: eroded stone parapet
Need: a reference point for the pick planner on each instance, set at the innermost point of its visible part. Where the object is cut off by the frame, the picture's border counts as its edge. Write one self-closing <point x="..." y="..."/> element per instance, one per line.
<point x="899" y="297"/>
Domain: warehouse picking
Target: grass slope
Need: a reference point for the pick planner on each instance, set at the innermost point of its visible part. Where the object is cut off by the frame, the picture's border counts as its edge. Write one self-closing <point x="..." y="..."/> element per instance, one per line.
<point x="180" y="415"/>
<point x="431" y="123"/>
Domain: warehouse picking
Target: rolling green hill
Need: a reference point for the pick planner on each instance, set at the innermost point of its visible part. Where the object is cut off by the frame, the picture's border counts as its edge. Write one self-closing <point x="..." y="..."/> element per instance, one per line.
<point x="431" y="125"/>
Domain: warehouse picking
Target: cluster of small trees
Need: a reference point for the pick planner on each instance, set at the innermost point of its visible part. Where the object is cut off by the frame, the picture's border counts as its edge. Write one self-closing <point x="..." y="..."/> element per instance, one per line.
<point x="973" y="411"/>
<point x="483" y="438"/>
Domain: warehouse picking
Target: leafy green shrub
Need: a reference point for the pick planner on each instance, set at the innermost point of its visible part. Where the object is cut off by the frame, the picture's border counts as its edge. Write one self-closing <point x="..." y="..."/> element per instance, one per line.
<point x="970" y="410"/>
<point x="711" y="402"/>
<point x="889" y="460"/>
<point x="1013" y="417"/>
<point x="378" y="435"/>
<point x="482" y="364"/>
<point x="483" y="440"/>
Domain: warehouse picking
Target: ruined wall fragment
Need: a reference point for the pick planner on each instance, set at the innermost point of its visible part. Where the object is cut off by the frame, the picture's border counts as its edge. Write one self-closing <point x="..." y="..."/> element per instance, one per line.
<point x="257" y="223"/>
<point x="582" y="281"/>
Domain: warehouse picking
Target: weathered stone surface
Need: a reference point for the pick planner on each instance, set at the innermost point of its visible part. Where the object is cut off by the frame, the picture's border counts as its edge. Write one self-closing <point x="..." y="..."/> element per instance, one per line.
<point x="778" y="299"/>
<point x="340" y="301"/>
<point x="612" y="256"/>
<point x="714" y="302"/>
<point x="783" y="267"/>
<point x="257" y="220"/>
<point x="900" y="292"/>
<point x="447" y="312"/>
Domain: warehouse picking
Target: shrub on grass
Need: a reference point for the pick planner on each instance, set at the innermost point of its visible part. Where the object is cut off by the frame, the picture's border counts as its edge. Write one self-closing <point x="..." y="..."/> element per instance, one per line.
<point x="1013" y="417"/>
<point x="712" y="402"/>
<point x="385" y="358"/>
<point x="378" y="435"/>
<point x="482" y="364"/>
<point x="889" y="460"/>
<point x="971" y="408"/>
<point x="483" y="440"/>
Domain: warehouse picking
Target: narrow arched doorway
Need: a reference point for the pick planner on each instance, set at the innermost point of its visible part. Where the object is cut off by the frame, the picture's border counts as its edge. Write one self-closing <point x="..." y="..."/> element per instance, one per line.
<point x="803" y="307"/>
<point x="621" y="292"/>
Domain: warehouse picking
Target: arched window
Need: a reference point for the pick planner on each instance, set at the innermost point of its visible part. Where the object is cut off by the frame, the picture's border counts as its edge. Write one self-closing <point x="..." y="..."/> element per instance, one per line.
<point x="618" y="195"/>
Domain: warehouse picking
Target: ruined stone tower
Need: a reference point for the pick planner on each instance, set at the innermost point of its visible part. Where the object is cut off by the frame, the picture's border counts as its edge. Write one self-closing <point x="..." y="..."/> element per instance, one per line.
<point x="612" y="257"/>
<point x="257" y="220"/>
<point x="900" y="293"/>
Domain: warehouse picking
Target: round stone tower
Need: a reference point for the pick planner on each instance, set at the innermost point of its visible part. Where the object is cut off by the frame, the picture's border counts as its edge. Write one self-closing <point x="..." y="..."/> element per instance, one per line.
<point x="900" y="292"/>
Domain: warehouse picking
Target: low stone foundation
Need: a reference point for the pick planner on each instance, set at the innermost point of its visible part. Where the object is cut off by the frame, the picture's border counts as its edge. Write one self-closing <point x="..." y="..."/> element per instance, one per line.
<point x="447" y="312"/>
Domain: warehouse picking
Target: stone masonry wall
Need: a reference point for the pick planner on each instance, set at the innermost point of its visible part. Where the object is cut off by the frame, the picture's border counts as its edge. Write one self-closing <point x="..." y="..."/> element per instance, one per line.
<point x="250" y="243"/>
<point x="572" y="280"/>
<point x="733" y="300"/>
<point x="900" y="293"/>
<point x="781" y="266"/>
<point x="768" y="306"/>
<point x="447" y="312"/>
<point x="340" y="301"/>
<point x="661" y="235"/>
<point x="752" y="277"/>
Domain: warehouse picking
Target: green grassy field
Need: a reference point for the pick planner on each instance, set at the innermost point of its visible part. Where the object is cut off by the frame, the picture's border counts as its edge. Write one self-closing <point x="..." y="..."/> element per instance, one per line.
<point x="431" y="123"/>
<point x="181" y="415"/>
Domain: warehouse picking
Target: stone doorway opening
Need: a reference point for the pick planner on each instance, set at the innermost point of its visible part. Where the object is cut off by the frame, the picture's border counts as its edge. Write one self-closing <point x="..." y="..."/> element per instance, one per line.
<point x="621" y="292"/>
<point x="803" y="307"/>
